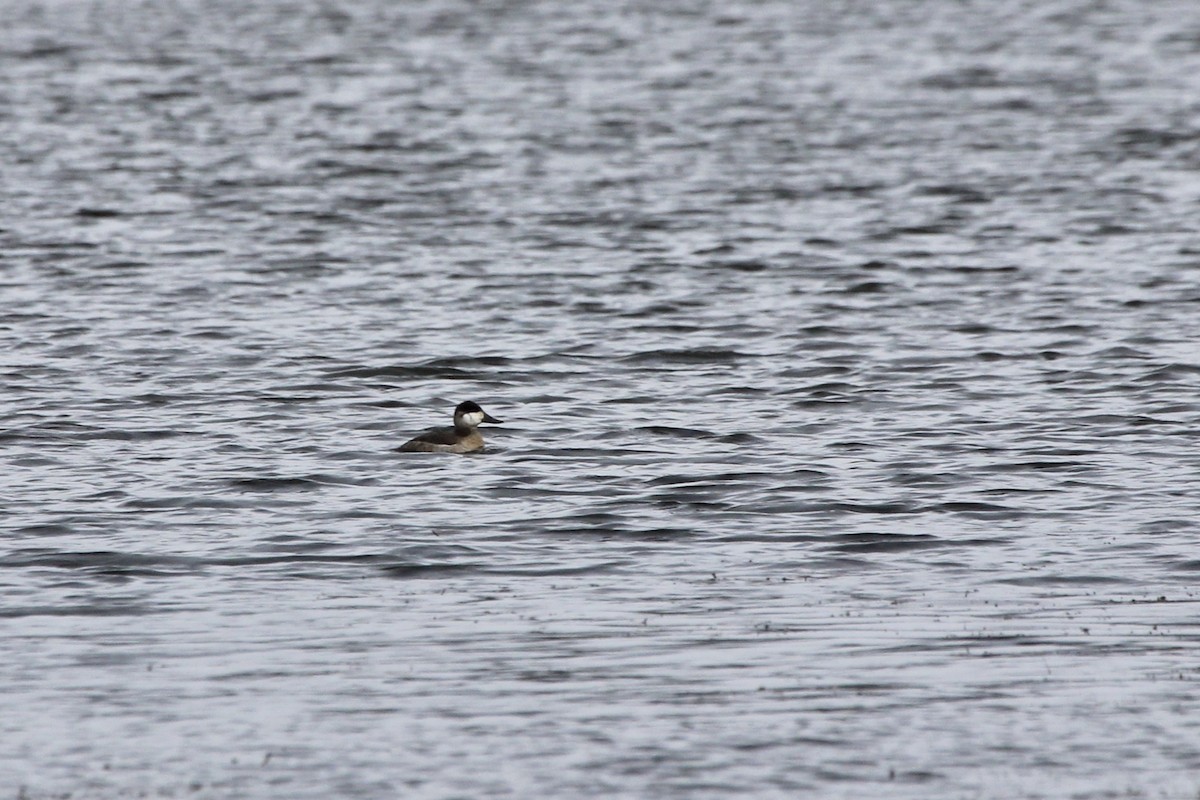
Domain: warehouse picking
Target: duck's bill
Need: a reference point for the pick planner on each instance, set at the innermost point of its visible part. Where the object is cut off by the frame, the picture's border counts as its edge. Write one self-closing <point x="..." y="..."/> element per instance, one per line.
<point x="489" y="418"/>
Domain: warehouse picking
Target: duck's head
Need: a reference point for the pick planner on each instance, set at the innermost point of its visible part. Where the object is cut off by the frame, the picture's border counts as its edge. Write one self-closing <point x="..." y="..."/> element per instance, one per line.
<point x="469" y="415"/>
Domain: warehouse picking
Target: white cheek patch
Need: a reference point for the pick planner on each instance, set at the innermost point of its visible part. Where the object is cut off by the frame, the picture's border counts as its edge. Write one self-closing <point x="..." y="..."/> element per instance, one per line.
<point x="473" y="419"/>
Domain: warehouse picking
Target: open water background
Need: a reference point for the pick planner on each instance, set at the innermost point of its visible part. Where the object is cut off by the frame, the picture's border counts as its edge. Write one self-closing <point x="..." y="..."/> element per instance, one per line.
<point x="847" y="353"/>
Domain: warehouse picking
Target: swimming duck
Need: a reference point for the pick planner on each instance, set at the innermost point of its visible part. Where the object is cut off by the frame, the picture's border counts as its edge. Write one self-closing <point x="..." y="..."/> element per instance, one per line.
<point x="462" y="437"/>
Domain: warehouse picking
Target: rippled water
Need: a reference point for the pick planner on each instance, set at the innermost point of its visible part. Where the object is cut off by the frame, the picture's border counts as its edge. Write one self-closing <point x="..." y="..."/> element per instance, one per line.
<point x="846" y="351"/>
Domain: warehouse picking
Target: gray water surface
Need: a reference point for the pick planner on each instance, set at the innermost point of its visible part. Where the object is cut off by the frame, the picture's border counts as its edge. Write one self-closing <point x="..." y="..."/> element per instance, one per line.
<point x="847" y="353"/>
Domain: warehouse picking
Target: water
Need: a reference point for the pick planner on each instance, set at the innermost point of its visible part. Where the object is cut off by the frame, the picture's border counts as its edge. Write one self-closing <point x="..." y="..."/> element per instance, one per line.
<point x="846" y="353"/>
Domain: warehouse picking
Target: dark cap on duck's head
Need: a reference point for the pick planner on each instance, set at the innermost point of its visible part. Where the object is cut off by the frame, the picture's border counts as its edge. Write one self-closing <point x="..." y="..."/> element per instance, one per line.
<point x="470" y="415"/>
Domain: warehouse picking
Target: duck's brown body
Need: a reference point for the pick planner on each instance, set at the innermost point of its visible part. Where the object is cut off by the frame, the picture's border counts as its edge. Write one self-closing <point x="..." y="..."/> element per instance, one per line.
<point x="445" y="440"/>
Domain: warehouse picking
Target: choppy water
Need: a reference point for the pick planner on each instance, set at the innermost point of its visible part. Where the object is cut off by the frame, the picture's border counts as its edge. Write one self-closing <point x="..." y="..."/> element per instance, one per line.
<point x="847" y="353"/>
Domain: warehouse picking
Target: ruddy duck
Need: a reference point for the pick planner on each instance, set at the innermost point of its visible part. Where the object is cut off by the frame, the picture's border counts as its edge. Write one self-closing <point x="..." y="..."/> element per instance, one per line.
<point x="463" y="437"/>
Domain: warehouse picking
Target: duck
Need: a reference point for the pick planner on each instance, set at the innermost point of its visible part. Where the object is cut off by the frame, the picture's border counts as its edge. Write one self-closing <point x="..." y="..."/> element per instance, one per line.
<point x="462" y="437"/>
